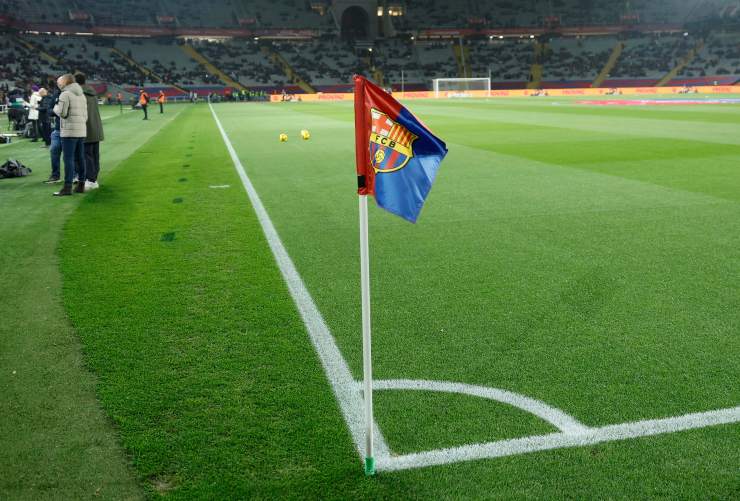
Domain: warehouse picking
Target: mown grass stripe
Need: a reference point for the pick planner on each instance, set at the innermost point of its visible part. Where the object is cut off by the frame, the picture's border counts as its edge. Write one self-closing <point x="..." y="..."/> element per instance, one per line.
<point x="204" y="363"/>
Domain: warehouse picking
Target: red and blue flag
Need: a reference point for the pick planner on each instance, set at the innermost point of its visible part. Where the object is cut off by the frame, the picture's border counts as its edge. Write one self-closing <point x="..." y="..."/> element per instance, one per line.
<point x="397" y="156"/>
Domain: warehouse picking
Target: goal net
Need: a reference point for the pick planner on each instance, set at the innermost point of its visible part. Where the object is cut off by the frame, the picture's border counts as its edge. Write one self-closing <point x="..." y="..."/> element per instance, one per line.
<point x="461" y="87"/>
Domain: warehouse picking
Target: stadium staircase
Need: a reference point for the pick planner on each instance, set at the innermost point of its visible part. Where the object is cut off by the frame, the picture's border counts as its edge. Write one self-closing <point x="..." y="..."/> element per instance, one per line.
<point x="294" y="77"/>
<point x="210" y="67"/>
<point x="146" y="71"/>
<point x="462" y="56"/>
<point x="681" y="64"/>
<point x="609" y="66"/>
<point x="38" y="50"/>
<point x="535" y="72"/>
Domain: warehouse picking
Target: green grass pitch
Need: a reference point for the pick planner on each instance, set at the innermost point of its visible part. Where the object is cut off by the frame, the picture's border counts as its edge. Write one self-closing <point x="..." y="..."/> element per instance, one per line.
<point x="584" y="256"/>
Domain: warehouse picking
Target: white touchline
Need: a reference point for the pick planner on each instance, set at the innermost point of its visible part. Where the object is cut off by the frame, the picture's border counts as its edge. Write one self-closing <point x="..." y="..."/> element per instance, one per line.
<point x="349" y="395"/>
<point x="336" y="368"/>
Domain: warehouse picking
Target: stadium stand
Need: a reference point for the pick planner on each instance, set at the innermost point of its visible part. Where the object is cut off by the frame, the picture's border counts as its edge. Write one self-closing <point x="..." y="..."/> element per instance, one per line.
<point x="399" y="62"/>
<point x="167" y="60"/>
<point x="720" y="57"/>
<point x="90" y="56"/>
<point x="651" y="57"/>
<point x="282" y="14"/>
<point x="436" y="59"/>
<point x="322" y="62"/>
<point x="243" y="61"/>
<point x="295" y="45"/>
<point x="510" y="13"/>
<point x="576" y="58"/>
<point x="508" y="60"/>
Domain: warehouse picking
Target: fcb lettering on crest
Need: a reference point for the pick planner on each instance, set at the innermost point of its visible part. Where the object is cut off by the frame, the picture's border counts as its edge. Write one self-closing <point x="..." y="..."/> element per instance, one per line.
<point x="390" y="143"/>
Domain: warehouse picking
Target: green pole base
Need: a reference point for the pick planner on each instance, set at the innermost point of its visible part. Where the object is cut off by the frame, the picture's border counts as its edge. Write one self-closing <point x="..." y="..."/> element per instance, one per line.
<point x="369" y="466"/>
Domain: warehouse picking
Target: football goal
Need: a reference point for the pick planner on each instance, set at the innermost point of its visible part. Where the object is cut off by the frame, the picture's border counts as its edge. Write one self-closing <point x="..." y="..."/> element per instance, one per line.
<point x="461" y="87"/>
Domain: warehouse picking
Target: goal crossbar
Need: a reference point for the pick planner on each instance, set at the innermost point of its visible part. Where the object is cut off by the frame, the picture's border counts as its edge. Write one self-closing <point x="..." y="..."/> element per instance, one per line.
<point x="456" y="87"/>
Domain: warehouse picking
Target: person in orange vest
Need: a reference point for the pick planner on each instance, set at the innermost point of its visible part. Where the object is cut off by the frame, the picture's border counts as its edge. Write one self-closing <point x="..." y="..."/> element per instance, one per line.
<point x="161" y="99"/>
<point x="144" y="102"/>
<point x="119" y="101"/>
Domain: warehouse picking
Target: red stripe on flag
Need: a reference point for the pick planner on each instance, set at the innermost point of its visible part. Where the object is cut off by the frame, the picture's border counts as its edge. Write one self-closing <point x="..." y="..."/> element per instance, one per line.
<point x="390" y="162"/>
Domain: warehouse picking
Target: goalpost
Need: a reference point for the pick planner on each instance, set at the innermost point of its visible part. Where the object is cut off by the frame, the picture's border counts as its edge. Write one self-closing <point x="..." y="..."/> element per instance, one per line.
<point x="460" y="87"/>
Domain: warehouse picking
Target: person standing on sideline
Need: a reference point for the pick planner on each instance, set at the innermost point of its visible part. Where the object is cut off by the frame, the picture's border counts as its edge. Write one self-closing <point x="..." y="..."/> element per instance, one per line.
<point x="33" y="112"/>
<point x="94" y="135"/>
<point x="119" y="100"/>
<point x="72" y="110"/>
<point x="144" y="102"/>
<point x="55" y="149"/>
<point x="45" y="106"/>
<point x="161" y="99"/>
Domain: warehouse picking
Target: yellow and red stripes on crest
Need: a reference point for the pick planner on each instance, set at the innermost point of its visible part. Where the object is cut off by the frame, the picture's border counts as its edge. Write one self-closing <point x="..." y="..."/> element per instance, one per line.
<point x="401" y="135"/>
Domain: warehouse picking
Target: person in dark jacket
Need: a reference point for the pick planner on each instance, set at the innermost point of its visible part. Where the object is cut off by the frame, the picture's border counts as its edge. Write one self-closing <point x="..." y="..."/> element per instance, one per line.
<point x="45" y="107"/>
<point x="94" y="134"/>
<point x="55" y="148"/>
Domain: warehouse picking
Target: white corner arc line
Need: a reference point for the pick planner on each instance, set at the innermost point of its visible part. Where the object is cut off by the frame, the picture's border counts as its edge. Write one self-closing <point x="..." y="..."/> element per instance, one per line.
<point x="349" y="396"/>
<point x="592" y="436"/>
<point x="559" y="419"/>
<point x="336" y="368"/>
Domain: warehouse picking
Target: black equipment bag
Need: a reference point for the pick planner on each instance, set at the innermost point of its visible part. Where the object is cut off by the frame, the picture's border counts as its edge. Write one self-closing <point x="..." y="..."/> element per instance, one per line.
<point x="13" y="168"/>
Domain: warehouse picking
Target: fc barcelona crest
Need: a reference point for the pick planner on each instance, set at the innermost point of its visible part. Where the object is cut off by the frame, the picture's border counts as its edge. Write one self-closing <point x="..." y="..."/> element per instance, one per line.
<point x="390" y="143"/>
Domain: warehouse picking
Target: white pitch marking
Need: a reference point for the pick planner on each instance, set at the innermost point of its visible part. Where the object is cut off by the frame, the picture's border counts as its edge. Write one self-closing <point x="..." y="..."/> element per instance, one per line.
<point x="350" y="401"/>
<point x="220" y="186"/>
<point x="559" y="440"/>
<point x="336" y="368"/>
<point x="555" y="417"/>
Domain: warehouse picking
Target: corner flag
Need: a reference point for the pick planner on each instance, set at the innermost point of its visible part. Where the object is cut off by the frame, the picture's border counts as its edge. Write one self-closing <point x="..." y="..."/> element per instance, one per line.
<point x="396" y="156"/>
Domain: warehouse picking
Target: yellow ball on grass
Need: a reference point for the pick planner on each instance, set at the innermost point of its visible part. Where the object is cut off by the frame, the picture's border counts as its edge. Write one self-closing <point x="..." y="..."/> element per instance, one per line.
<point x="305" y="135"/>
<point x="283" y="137"/>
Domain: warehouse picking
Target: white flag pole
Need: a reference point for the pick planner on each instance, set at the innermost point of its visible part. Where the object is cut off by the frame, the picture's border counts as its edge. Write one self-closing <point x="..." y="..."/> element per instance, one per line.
<point x="367" y="363"/>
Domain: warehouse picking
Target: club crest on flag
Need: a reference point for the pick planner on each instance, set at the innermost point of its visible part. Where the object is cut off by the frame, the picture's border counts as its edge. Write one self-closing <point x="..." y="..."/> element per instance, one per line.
<point x="390" y="143"/>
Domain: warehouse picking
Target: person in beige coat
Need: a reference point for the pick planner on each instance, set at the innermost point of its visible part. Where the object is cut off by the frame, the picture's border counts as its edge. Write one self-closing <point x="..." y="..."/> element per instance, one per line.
<point x="72" y="111"/>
